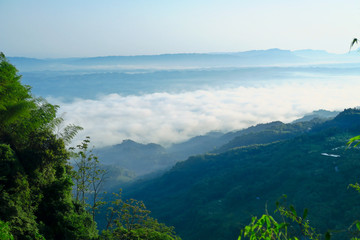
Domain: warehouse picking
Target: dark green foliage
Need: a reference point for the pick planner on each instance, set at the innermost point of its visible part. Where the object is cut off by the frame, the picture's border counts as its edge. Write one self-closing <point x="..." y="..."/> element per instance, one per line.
<point x="130" y="220"/>
<point x="5" y="231"/>
<point x="38" y="197"/>
<point x="9" y="165"/>
<point x="136" y="234"/>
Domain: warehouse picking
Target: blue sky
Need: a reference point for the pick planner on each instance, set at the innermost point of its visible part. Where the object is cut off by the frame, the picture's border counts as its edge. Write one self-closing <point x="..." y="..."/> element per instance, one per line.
<point x="83" y="28"/>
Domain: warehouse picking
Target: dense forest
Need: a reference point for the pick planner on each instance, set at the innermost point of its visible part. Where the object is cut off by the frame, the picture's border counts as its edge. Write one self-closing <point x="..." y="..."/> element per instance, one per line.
<point x="212" y="196"/>
<point x="41" y="195"/>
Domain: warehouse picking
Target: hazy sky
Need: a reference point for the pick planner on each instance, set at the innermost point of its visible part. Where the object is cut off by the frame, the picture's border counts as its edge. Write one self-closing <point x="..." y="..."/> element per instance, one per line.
<point x="80" y="28"/>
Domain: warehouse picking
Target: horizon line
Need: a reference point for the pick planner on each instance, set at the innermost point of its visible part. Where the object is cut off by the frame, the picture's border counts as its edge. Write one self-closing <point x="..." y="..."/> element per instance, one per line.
<point x="179" y="53"/>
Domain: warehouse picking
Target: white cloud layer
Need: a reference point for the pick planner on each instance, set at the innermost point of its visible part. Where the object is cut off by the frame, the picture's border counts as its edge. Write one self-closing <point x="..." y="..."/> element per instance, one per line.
<point x="166" y="118"/>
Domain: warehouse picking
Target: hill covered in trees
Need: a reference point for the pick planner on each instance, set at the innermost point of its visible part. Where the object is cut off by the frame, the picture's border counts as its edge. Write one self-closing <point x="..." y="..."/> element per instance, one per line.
<point x="130" y="160"/>
<point x="213" y="196"/>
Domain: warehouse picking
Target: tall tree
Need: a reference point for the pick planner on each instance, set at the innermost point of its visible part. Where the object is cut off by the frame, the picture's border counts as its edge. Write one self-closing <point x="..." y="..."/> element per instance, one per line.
<point x="88" y="176"/>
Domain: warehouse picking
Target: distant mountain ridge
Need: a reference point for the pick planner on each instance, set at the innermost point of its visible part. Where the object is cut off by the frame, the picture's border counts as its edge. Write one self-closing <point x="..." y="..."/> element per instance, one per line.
<point x="136" y="157"/>
<point x="317" y="114"/>
<point x="147" y="74"/>
<point x="247" y="58"/>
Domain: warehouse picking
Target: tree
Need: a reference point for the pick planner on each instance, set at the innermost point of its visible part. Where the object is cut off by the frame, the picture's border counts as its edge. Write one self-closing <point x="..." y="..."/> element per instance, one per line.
<point x="88" y="177"/>
<point x="130" y="220"/>
<point x="15" y="98"/>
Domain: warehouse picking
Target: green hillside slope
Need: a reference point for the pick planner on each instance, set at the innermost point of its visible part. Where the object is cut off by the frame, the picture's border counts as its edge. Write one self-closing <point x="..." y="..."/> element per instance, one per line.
<point x="213" y="196"/>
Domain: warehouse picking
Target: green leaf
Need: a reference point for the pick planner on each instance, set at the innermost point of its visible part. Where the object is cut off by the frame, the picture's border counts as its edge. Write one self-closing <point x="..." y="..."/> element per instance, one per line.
<point x="358" y="225"/>
<point x="327" y="236"/>
<point x="305" y="213"/>
<point x="282" y="225"/>
<point x="293" y="210"/>
<point x="354" y="139"/>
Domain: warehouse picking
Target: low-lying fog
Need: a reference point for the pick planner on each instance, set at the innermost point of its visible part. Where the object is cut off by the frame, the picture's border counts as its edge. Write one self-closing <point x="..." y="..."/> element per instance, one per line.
<point x="167" y="118"/>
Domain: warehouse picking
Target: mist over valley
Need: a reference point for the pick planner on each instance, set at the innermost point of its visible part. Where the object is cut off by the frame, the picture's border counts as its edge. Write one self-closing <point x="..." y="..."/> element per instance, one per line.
<point x="167" y="99"/>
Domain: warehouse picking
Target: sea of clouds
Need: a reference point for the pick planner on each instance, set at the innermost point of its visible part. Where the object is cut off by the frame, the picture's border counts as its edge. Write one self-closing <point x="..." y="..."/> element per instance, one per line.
<point x="167" y="118"/>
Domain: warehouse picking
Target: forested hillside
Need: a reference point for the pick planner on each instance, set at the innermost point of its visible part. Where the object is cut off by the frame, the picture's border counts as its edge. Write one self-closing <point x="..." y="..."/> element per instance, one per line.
<point x="130" y="160"/>
<point x="213" y="196"/>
